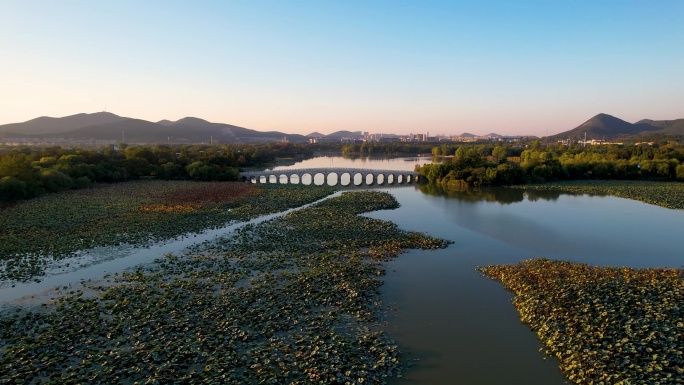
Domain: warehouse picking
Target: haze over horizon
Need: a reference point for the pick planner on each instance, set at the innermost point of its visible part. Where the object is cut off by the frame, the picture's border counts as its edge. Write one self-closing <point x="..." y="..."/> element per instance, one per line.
<point x="514" y="68"/>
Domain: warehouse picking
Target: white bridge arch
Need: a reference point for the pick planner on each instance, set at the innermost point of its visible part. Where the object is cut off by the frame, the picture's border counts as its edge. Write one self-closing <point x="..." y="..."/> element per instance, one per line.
<point x="332" y="176"/>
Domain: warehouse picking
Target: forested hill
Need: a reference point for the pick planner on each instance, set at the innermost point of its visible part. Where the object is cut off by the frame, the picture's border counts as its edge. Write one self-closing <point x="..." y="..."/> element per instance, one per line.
<point x="108" y="126"/>
<point x="608" y="127"/>
<point x="675" y="127"/>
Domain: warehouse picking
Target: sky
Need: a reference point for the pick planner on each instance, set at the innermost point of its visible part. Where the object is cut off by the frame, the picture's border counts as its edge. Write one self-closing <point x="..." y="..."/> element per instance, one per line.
<point x="443" y="67"/>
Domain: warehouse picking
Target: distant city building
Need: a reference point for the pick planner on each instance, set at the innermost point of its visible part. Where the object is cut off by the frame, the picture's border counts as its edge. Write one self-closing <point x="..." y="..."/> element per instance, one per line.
<point x="324" y="140"/>
<point x="588" y="142"/>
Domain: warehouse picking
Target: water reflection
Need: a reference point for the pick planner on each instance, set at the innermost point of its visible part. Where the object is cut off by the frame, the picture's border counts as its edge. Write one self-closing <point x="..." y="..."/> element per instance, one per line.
<point x="492" y="194"/>
<point x="381" y="163"/>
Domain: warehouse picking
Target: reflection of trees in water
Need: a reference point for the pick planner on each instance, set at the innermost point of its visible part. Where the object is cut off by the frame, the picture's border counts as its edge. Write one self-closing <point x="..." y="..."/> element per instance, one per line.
<point x="522" y="231"/>
<point x="553" y="191"/>
<point x="492" y="194"/>
<point x="547" y="195"/>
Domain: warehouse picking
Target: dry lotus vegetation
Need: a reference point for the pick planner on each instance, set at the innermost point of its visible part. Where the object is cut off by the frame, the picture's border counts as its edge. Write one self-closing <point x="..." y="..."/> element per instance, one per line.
<point x="293" y="300"/>
<point x="605" y="325"/>
<point x="38" y="232"/>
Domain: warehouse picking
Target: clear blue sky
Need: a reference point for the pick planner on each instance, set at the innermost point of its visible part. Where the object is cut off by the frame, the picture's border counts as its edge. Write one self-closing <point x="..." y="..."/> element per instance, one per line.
<point x="446" y="67"/>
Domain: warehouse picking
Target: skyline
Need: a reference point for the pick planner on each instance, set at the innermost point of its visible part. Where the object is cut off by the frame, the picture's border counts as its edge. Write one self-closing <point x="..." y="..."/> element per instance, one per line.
<point x="399" y="67"/>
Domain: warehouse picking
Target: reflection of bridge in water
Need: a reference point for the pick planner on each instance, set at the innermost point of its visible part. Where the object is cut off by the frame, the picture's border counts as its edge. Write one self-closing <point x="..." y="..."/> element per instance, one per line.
<point x="353" y="177"/>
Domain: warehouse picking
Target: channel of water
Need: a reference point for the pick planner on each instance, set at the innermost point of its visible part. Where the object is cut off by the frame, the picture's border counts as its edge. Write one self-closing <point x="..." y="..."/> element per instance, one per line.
<point x="92" y="264"/>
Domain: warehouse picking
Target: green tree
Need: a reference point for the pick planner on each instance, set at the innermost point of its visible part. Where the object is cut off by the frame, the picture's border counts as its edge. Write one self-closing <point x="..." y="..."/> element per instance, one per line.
<point x="460" y="153"/>
<point x="17" y="166"/>
<point x="499" y="153"/>
<point x="12" y="189"/>
<point x="201" y="171"/>
<point x="138" y="167"/>
<point x="141" y="153"/>
<point x="55" y="180"/>
<point x="680" y="172"/>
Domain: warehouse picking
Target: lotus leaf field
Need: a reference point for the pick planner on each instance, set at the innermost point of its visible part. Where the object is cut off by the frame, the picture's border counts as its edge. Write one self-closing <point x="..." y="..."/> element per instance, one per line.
<point x="292" y="300"/>
<point x="35" y="233"/>
<point x="605" y="325"/>
<point x="665" y="194"/>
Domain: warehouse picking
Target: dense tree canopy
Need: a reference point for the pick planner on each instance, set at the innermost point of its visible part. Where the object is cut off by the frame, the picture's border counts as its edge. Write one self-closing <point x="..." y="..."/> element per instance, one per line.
<point x="485" y="165"/>
<point x="29" y="172"/>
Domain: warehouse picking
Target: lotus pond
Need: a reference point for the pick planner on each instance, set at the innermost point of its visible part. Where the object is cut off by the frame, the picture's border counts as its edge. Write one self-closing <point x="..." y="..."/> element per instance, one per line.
<point x="605" y="325"/>
<point x="291" y="300"/>
<point x="37" y="234"/>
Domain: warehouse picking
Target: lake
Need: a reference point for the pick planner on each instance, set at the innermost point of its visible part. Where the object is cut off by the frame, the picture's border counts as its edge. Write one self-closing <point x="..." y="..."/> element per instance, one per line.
<point x="457" y="326"/>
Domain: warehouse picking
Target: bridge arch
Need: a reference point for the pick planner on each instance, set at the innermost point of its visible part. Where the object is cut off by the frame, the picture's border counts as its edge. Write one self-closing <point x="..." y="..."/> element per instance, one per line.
<point x="357" y="179"/>
<point x="332" y="179"/>
<point x="295" y="179"/>
<point x="319" y="176"/>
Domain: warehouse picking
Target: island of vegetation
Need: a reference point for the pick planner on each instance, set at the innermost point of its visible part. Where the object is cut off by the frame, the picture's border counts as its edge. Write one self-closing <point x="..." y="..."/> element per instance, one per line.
<point x="605" y="325"/>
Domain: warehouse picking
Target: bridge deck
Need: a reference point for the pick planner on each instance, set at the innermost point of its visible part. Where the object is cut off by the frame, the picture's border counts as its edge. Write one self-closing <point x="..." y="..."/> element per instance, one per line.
<point x="329" y="170"/>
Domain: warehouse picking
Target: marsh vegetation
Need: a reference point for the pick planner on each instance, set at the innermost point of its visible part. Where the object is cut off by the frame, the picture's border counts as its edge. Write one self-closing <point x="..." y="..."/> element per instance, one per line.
<point x="604" y="324"/>
<point x="291" y="300"/>
<point x="38" y="232"/>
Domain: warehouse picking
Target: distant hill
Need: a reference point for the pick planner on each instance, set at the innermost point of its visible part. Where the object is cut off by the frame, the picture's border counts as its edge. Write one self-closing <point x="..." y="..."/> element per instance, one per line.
<point x="604" y="126"/>
<point x="665" y="126"/>
<point x="132" y="130"/>
<point x="108" y="126"/>
<point x="345" y="134"/>
<point x="48" y="125"/>
<point x="467" y="135"/>
<point x="315" y="134"/>
<point x="192" y="122"/>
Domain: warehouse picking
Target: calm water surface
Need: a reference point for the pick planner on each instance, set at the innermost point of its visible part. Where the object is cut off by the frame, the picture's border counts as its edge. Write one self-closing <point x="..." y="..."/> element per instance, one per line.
<point x="458" y="327"/>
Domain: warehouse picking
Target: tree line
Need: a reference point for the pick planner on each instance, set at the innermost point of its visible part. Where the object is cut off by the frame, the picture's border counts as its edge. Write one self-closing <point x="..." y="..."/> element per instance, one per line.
<point x="497" y="165"/>
<point x="379" y="149"/>
<point x="30" y="172"/>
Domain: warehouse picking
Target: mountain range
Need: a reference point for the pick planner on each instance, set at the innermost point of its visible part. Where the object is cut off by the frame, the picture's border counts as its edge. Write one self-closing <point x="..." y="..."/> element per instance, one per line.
<point x="604" y="126"/>
<point x="108" y="126"/>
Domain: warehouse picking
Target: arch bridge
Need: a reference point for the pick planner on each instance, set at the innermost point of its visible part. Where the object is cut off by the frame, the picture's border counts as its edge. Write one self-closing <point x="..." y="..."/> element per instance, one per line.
<point x="345" y="177"/>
